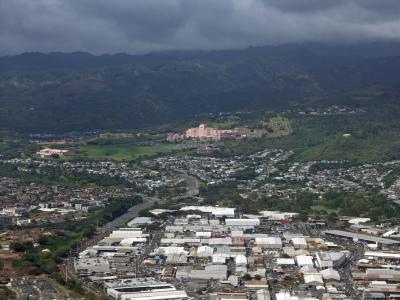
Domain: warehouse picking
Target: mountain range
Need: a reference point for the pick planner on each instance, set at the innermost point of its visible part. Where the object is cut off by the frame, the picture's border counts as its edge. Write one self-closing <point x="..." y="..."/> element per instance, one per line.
<point x="58" y="92"/>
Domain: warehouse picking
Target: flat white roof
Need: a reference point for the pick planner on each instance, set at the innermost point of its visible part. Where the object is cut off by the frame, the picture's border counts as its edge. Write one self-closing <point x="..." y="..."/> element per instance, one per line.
<point x="139" y="220"/>
<point x="313" y="278"/>
<point x="242" y="222"/>
<point x="304" y="260"/>
<point x="285" y="261"/>
<point x="154" y="295"/>
<point x="171" y="250"/>
<point x="130" y="241"/>
<point x="299" y="241"/>
<point x="382" y="254"/>
<point x="268" y="241"/>
<point x="215" y="210"/>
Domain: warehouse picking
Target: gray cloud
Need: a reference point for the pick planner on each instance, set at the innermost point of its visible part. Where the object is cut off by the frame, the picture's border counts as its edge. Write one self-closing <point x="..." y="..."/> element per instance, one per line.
<point x="138" y="26"/>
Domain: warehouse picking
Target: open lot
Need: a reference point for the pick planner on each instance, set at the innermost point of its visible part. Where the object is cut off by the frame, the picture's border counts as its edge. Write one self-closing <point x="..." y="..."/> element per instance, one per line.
<point x="128" y="151"/>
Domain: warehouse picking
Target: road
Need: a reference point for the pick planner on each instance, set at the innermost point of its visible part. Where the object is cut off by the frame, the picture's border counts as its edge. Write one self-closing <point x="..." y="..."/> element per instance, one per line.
<point x="192" y="187"/>
<point x="132" y="213"/>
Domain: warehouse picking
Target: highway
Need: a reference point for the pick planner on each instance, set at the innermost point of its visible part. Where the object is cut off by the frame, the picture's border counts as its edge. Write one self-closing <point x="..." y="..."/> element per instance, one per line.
<point x="132" y="213"/>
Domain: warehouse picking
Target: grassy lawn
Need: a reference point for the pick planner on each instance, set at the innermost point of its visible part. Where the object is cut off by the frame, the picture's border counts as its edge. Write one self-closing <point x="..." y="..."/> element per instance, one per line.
<point x="128" y="151"/>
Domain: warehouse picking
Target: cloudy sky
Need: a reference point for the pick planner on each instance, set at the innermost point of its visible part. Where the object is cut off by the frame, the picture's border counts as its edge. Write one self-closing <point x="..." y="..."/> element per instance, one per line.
<point x="139" y="26"/>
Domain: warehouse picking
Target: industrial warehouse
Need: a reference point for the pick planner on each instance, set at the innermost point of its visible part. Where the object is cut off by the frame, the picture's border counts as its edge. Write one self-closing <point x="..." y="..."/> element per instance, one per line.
<point x="206" y="252"/>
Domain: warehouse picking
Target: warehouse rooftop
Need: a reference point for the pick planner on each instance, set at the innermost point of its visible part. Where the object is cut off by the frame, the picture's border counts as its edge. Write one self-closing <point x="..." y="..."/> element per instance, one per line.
<point x="362" y="237"/>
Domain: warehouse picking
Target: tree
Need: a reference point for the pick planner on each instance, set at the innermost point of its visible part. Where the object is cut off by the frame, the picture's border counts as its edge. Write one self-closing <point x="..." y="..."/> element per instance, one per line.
<point x="17" y="247"/>
<point x="247" y="277"/>
<point x="332" y="217"/>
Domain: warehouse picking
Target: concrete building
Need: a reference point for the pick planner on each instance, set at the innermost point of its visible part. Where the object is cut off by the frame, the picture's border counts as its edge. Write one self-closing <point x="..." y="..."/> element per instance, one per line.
<point x="203" y="132"/>
<point x="90" y="266"/>
<point x="143" y="288"/>
<point x="210" y="271"/>
<point x="240" y="260"/>
<point x="205" y="251"/>
<point x="219" y="258"/>
<point x="330" y="275"/>
<point x="242" y="223"/>
<point x="299" y="243"/>
<point x="286" y="262"/>
<point x="228" y="296"/>
<point x="313" y="279"/>
<point x="208" y="133"/>
<point x="124" y="233"/>
<point x="269" y="242"/>
<point x="263" y="295"/>
<point x="388" y="275"/>
<point x="218" y="212"/>
<point x="330" y="259"/>
<point x="47" y="152"/>
<point x="139" y="221"/>
<point x="304" y="261"/>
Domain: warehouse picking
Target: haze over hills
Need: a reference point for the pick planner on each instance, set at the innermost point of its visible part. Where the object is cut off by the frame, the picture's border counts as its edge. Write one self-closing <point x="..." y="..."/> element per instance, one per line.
<point x="59" y="92"/>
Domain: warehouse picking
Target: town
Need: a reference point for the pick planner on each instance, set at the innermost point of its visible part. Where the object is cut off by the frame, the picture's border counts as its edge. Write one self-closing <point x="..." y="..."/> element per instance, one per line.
<point x="182" y="243"/>
<point x="206" y="252"/>
<point x="200" y="150"/>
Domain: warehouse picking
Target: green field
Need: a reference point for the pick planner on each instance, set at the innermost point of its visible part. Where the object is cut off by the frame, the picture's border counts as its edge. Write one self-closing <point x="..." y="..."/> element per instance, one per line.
<point x="128" y="151"/>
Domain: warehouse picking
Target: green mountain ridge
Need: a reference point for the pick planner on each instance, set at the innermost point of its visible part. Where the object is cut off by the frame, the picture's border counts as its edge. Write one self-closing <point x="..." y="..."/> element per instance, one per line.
<point x="126" y="92"/>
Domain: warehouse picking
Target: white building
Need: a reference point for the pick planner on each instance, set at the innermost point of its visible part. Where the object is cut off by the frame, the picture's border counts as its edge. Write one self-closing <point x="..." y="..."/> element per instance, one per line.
<point x="47" y="152"/>
<point x="299" y="243"/>
<point x="203" y="234"/>
<point x="263" y="295"/>
<point x="140" y="288"/>
<point x="94" y="265"/>
<point x="285" y="262"/>
<point x="219" y="258"/>
<point x="241" y="260"/>
<point x="205" y="251"/>
<point x="214" y="210"/>
<point x="313" y="279"/>
<point x="304" y="261"/>
<point x="330" y="274"/>
<point x="170" y="250"/>
<point x="131" y="241"/>
<point x="124" y="233"/>
<point x="277" y="215"/>
<point x="330" y="259"/>
<point x="269" y="242"/>
<point x="210" y="271"/>
<point x="242" y="223"/>
<point x="220" y="241"/>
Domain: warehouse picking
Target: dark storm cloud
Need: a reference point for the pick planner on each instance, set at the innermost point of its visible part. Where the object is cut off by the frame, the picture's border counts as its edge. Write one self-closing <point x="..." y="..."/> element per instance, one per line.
<point x="137" y="26"/>
<point x="304" y="6"/>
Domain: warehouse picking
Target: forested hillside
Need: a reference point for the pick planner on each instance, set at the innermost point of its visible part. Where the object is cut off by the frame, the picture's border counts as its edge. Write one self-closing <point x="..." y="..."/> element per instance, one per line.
<point x="63" y="92"/>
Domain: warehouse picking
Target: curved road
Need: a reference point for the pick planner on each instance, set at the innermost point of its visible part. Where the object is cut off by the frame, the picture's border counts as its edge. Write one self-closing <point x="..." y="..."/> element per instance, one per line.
<point x="131" y="213"/>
